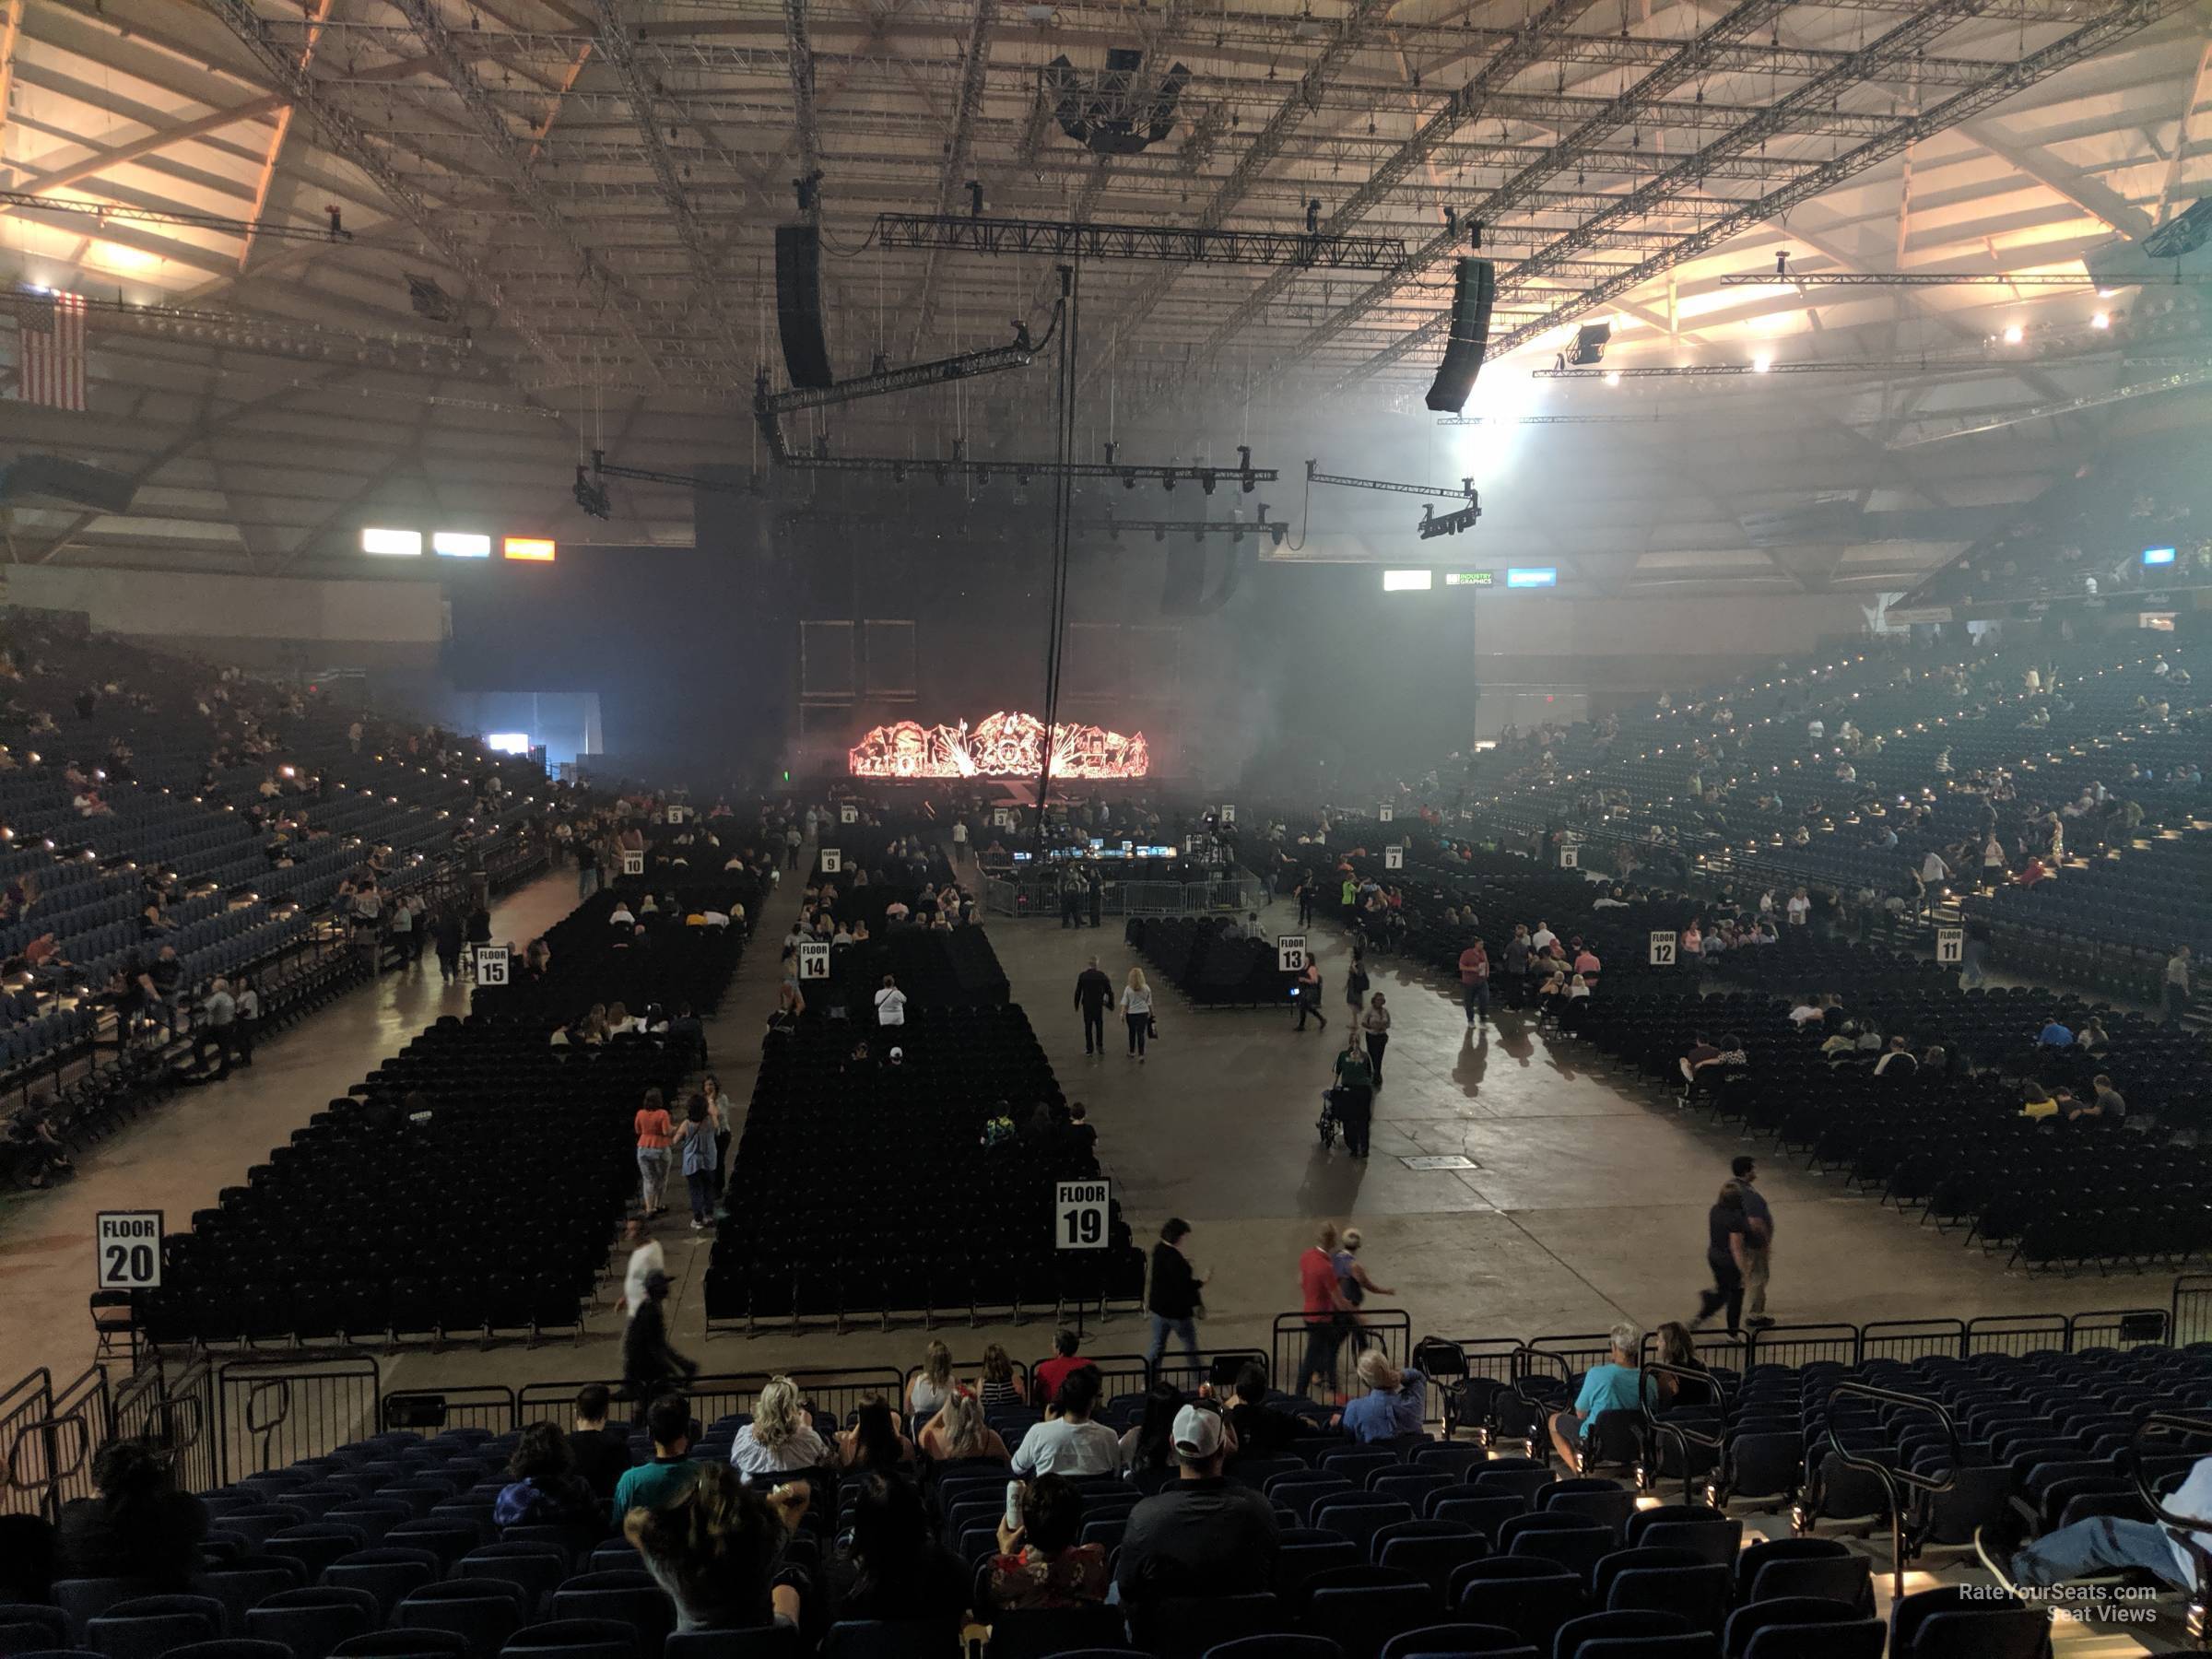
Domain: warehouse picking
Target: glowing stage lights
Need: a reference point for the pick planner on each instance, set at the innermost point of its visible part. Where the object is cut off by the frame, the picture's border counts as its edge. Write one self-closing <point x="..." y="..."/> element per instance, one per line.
<point x="1003" y="745"/>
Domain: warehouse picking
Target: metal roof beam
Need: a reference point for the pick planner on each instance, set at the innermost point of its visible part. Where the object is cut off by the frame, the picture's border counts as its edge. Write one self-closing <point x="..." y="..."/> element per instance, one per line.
<point x="2093" y="196"/>
<point x="966" y="102"/>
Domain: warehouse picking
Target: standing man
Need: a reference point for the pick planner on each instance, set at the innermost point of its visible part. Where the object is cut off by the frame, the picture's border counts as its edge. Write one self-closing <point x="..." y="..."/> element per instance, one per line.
<point x="1328" y="1315"/>
<point x="1095" y="883"/>
<point x="1759" y="1242"/>
<point x="1475" y="981"/>
<point x="646" y="1258"/>
<point x="1173" y="1297"/>
<point x="1305" y="899"/>
<point x="218" y="1011"/>
<point x="1094" y="995"/>
<point x="2177" y="985"/>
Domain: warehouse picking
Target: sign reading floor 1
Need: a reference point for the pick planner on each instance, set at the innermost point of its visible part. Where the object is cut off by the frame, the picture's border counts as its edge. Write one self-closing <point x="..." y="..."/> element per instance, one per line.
<point x="130" y="1249"/>
<point x="491" y="964"/>
<point x="1662" y="949"/>
<point x="1079" y="1212"/>
<point x="1394" y="858"/>
<point x="833" y="861"/>
<point x="1950" y="945"/>
<point x="814" y="958"/>
<point x="1383" y="813"/>
<point x="1290" y="953"/>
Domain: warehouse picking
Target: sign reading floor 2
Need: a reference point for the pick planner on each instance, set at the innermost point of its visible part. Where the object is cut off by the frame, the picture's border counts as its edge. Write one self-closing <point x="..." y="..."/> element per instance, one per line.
<point x="1079" y="1212"/>
<point x="129" y="1248"/>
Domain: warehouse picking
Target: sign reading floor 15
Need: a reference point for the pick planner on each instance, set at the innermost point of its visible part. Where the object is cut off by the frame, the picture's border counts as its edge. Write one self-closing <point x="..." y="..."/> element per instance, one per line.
<point x="1079" y="1211"/>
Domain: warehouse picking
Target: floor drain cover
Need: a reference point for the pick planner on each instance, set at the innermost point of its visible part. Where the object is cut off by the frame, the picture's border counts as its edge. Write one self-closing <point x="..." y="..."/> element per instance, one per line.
<point x="1441" y="1160"/>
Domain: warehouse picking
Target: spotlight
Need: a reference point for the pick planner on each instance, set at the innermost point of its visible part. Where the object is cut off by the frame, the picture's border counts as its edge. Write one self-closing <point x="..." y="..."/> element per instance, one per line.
<point x="1590" y="343"/>
<point x="1761" y="363"/>
<point x="1612" y="377"/>
<point x="1159" y="534"/>
<point x="1205" y="479"/>
<point x="1129" y="480"/>
<point x="2015" y="334"/>
<point x="2100" y="321"/>
<point x="898" y="472"/>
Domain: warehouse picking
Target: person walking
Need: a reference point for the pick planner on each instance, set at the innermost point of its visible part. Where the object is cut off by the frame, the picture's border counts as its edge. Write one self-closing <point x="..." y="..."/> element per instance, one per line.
<point x="1375" y="1024"/>
<point x="650" y="1368"/>
<point x="1353" y="1281"/>
<point x="1475" y="981"/>
<point x="2177" y="985"/>
<point x="1174" y="1296"/>
<point x="445" y="935"/>
<point x="655" y="1135"/>
<point x="218" y="1013"/>
<point x="1727" y="1234"/>
<point x="1305" y="899"/>
<point x="695" y="1143"/>
<point x="1309" y="994"/>
<point x="1136" y="1011"/>
<point x="1326" y="1313"/>
<point x="1758" y="1236"/>
<point x="1356" y="982"/>
<point x="587" y="871"/>
<point x="1094" y="994"/>
<point x="1355" y="1094"/>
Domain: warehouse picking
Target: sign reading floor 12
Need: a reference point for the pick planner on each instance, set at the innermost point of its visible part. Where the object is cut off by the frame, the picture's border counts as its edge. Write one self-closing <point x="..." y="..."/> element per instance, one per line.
<point x="1079" y="1212"/>
<point x="130" y="1249"/>
<point x="1662" y="949"/>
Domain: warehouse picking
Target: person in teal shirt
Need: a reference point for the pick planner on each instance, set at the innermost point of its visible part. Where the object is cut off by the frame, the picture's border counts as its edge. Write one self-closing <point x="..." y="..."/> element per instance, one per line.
<point x="668" y="1477"/>
<point x="1608" y="1387"/>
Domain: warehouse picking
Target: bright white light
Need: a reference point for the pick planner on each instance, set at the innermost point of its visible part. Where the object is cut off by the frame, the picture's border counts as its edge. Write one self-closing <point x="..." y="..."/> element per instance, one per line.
<point x="1407" y="582"/>
<point x="393" y="544"/>
<point x="1612" y="377"/>
<point x="459" y="544"/>
<point x="507" y="742"/>
<point x="2100" y="321"/>
<point x="1761" y="363"/>
<point x="2015" y="334"/>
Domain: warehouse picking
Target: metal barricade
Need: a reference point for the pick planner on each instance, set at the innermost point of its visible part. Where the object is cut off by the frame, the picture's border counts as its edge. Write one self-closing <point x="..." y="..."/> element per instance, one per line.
<point x="49" y="1457"/>
<point x="836" y="1392"/>
<point x="2192" y="1308"/>
<point x="1805" y="1344"/>
<point x="273" y="1412"/>
<point x="433" y="1411"/>
<point x="1907" y="1339"/>
<point x="28" y="1402"/>
<point x="2118" y="1328"/>
<point x="179" y="1415"/>
<point x="1893" y="1477"/>
<point x="1391" y="1329"/>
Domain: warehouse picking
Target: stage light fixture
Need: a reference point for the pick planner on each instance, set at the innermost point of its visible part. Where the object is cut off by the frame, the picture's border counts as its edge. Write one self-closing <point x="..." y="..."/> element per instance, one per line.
<point x="1205" y="479"/>
<point x="534" y="548"/>
<point x="2100" y="321"/>
<point x="392" y="544"/>
<point x="592" y="496"/>
<point x="2015" y="334"/>
<point x="459" y="544"/>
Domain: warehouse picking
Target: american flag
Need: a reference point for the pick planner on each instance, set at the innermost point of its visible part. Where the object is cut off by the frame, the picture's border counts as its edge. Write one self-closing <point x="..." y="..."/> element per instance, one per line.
<point x="49" y="331"/>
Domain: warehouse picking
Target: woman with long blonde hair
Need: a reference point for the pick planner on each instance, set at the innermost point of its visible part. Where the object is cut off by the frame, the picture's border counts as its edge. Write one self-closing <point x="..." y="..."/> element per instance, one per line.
<point x="780" y="1437"/>
<point x="1137" y="1010"/>
<point x="959" y="1432"/>
<point x="716" y="1549"/>
<point x="931" y="1385"/>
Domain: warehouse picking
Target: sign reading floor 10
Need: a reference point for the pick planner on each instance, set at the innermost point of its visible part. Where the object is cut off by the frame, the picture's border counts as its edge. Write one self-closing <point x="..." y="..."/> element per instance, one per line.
<point x="130" y="1249"/>
<point x="1079" y="1214"/>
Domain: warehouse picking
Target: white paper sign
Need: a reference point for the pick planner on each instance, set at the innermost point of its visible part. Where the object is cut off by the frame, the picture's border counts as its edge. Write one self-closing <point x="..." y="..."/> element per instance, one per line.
<point x="491" y="964"/>
<point x="1662" y="949"/>
<point x="633" y="863"/>
<point x="848" y="814"/>
<point x="1384" y="813"/>
<point x="814" y="958"/>
<point x="1950" y="945"/>
<point x="1079" y="1213"/>
<point x="676" y="815"/>
<point x="1570" y="858"/>
<point x="1291" y="952"/>
<point x="1394" y="858"/>
<point x="129" y="1248"/>
<point x="833" y="861"/>
<point x="1229" y="813"/>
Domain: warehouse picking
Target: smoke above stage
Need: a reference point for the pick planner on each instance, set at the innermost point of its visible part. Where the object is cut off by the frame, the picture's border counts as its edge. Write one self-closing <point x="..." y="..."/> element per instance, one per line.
<point x="1001" y="746"/>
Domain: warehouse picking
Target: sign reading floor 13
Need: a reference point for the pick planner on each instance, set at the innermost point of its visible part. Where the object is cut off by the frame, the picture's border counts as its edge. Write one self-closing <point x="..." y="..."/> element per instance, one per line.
<point x="1079" y="1212"/>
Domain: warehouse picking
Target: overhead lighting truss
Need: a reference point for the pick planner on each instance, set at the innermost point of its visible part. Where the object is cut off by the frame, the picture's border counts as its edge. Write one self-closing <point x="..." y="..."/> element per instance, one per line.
<point x="1019" y="353"/>
<point x="1198" y="529"/>
<point x="24" y="201"/>
<point x="603" y="468"/>
<point x="1968" y="427"/>
<point x="1949" y="279"/>
<point x="1316" y="476"/>
<point x="1432" y="525"/>
<point x="944" y="470"/>
<point x="1907" y="366"/>
<point x="1067" y="239"/>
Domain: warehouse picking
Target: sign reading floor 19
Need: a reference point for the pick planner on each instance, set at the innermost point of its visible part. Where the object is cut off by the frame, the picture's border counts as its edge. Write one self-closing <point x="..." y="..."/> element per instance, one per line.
<point x="1079" y="1211"/>
<point x="130" y="1249"/>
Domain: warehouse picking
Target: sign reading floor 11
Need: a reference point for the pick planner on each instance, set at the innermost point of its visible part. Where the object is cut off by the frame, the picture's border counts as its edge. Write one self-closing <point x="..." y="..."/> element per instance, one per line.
<point x="1079" y="1212"/>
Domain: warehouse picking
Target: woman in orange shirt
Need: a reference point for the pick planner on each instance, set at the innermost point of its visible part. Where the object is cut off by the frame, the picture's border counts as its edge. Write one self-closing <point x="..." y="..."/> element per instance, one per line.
<point x="655" y="1134"/>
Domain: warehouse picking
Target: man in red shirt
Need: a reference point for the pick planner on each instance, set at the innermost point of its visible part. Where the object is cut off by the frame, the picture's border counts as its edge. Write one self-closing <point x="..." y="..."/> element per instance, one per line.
<point x="1328" y="1313"/>
<point x="1051" y="1373"/>
<point x="1475" y="981"/>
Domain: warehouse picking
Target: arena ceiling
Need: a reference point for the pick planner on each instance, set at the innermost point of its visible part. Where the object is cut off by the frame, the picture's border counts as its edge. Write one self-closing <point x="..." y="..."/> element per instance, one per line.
<point x="557" y="222"/>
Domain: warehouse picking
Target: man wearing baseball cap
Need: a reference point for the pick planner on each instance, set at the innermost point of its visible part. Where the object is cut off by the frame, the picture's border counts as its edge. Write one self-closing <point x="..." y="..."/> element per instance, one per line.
<point x="1200" y="1535"/>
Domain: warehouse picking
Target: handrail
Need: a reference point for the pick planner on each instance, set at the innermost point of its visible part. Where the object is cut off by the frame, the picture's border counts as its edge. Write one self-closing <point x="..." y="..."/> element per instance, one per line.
<point x="1683" y="1434"/>
<point x="2183" y="1422"/>
<point x="266" y="1432"/>
<point x="1890" y="1476"/>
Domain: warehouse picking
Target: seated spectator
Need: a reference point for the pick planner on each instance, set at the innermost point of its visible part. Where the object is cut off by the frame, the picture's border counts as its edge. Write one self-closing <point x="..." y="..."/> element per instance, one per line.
<point x="1262" y="1430"/>
<point x="602" y="1454"/>
<point x="136" y="1525"/>
<point x="1150" y="1447"/>
<point x="1392" y="1409"/>
<point x="2110" y="1103"/>
<point x="780" y="1439"/>
<point x="931" y="1385"/>
<point x="1050" y="1373"/>
<point x="1067" y="1442"/>
<point x="958" y="1434"/>
<point x="1677" y="1349"/>
<point x="892" y="1568"/>
<point x="36" y="1154"/>
<point x="669" y="1476"/>
<point x="1844" y="1043"/>
<point x="1612" y="1386"/>
<point x="543" y="1488"/>
<point x="2036" y="1101"/>
<point x="1899" y="1061"/>
<point x="1201" y="1535"/>
<point x="717" y="1549"/>
<point x="1040" y="1563"/>
<point x="876" y="1439"/>
<point x="998" y="1389"/>
<point x="2055" y="1035"/>
<point x="2107" y="1544"/>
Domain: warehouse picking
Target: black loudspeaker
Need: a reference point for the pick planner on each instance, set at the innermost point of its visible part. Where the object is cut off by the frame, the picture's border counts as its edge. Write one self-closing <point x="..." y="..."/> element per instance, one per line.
<point x="799" y="305"/>
<point x="1185" y="582"/>
<point x="1242" y="555"/>
<point x="53" y="478"/>
<point x="1471" y="300"/>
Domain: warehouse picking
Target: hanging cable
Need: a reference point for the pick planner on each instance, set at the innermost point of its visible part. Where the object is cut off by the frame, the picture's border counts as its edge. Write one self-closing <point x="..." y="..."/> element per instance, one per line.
<point x="1064" y="498"/>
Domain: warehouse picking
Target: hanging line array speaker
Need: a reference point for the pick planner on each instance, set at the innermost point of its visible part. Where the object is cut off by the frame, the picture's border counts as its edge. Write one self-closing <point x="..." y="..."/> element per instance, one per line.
<point x="1471" y="300"/>
<point x="799" y="305"/>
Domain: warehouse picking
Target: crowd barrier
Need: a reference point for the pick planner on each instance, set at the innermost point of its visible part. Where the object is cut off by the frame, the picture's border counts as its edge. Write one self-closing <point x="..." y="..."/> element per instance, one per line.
<point x="1039" y="896"/>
